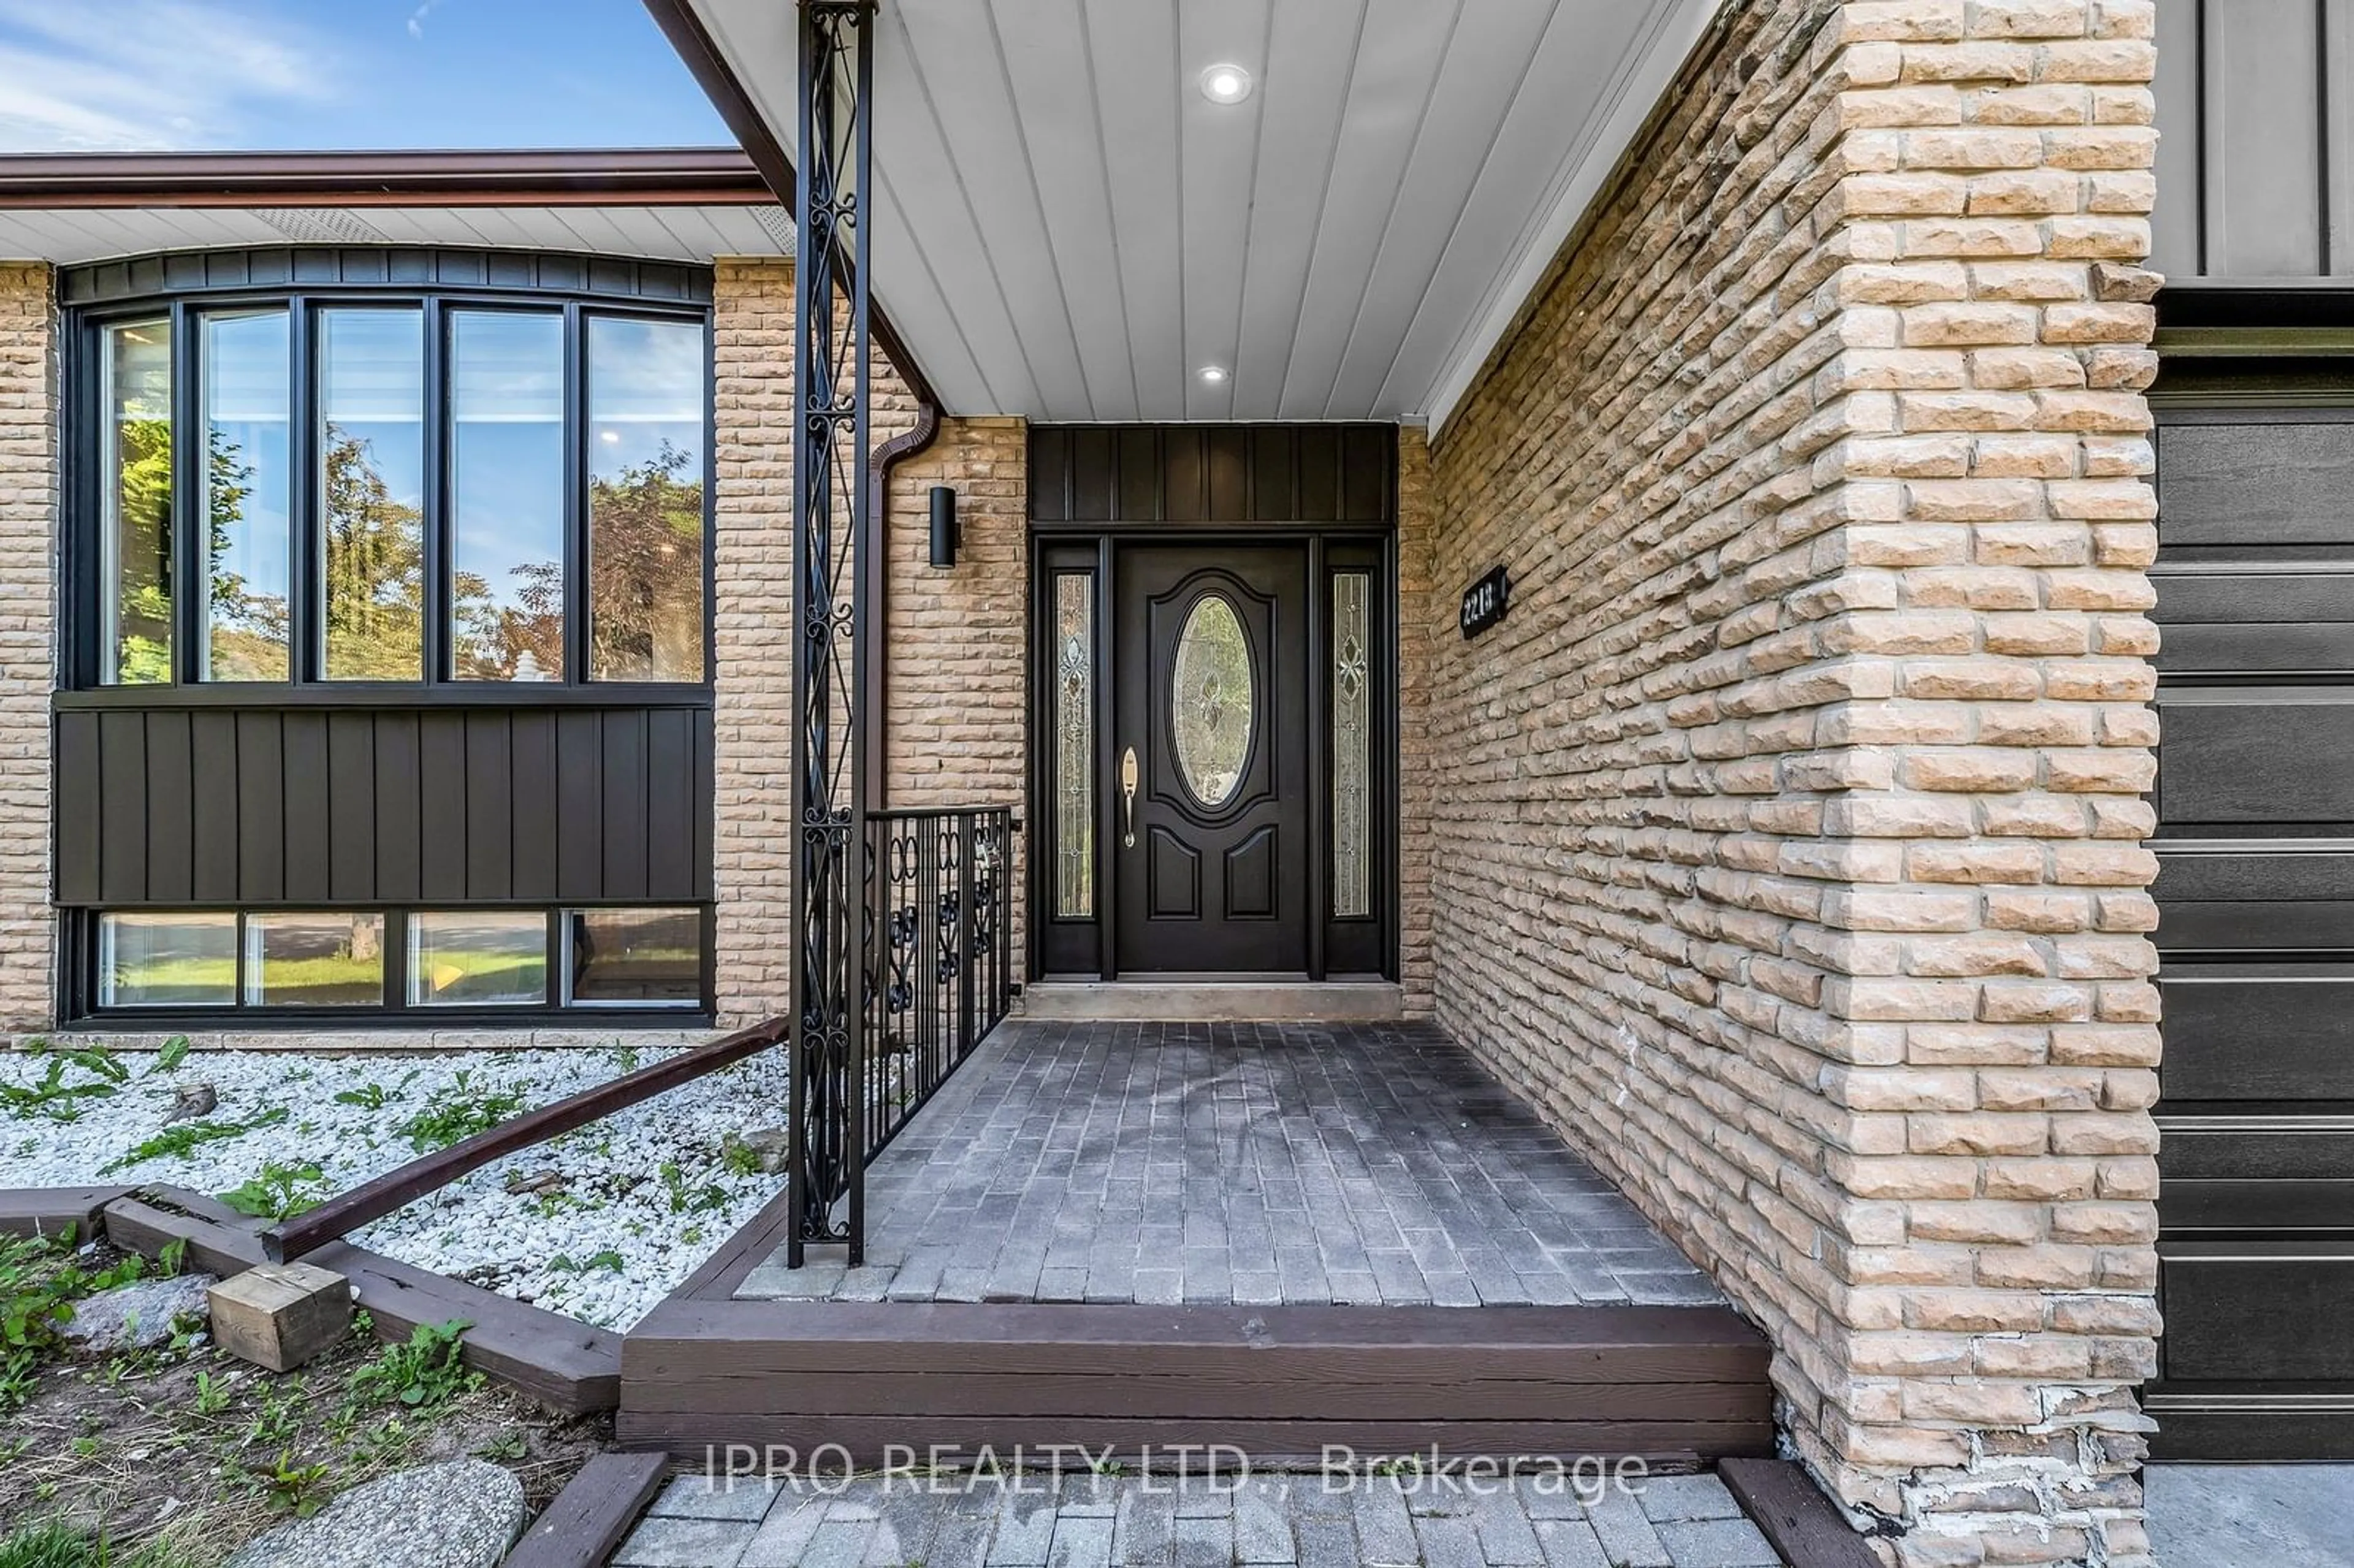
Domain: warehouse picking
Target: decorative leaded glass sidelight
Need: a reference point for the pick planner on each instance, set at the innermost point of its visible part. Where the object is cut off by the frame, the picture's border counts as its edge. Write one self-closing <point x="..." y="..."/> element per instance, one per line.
<point x="1353" y="749"/>
<point x="1075" y="746"/>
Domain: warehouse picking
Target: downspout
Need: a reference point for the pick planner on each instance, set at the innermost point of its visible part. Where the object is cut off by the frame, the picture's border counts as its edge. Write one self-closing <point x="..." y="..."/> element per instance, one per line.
<point x="874" y="659"/>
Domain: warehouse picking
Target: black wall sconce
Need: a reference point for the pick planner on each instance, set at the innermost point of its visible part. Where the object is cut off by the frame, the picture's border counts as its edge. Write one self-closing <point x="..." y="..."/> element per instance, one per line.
<point x="944" y="526"/>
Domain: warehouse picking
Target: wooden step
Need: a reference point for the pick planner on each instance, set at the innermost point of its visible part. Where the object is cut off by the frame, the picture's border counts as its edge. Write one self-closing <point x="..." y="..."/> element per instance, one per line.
<point x="1670" y="1383"/>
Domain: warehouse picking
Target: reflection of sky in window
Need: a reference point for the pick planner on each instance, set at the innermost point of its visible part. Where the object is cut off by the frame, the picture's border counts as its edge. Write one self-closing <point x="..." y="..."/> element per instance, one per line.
<point x="247" y="412"/>
<point x="646" y="387"/>
<point x="506" y="397"/>
<point x="371" y="387"/>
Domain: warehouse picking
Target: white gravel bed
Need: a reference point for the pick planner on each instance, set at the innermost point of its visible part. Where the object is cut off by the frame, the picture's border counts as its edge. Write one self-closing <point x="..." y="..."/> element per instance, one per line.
<point x="621" y="1210"/>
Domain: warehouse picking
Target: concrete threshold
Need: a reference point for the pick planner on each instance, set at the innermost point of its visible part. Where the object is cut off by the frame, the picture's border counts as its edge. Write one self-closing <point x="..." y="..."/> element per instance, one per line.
<point x="1215" y="1001"/>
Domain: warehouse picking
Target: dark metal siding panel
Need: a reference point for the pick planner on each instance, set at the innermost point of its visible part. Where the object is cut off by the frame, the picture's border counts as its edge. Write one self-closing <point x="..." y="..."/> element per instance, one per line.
<point x="1204" y="474"/>
<point x="180" y="805"/>
<point x="199" y="272"/>
<point x="2255" y="160"/>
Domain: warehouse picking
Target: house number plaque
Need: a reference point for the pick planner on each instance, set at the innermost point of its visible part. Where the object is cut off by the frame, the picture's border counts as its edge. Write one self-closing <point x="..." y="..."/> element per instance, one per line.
<point x="1486" y="601"/>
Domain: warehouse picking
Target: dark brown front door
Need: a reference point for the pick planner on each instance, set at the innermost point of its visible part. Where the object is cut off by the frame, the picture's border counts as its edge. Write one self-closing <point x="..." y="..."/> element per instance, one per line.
<point x="1212" y="816"/>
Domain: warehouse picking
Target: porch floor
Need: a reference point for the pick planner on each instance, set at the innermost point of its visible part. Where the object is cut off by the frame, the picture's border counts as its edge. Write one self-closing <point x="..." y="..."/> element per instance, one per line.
<point x="1243" y="1164"/>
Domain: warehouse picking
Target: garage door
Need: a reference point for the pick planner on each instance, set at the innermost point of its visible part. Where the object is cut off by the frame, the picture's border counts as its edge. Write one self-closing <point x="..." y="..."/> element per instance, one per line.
<point x="2255" y="802"/>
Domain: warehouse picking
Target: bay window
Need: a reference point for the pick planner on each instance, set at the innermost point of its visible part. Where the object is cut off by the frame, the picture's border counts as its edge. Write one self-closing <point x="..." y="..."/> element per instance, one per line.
<point x="357" y="488"/>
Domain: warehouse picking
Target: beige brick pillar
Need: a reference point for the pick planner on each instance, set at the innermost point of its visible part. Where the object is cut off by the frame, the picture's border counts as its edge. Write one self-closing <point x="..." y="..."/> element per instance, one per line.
<point x="29" y="523"/>
<point x="1786" y="837"/>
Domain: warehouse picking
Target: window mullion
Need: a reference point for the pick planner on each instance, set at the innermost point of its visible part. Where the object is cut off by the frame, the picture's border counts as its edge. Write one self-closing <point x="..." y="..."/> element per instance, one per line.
<point x="186" y="552"/>
<point x="576" y="500"/>
<point x="439" y="594"/>
<point x="303" y="555"/>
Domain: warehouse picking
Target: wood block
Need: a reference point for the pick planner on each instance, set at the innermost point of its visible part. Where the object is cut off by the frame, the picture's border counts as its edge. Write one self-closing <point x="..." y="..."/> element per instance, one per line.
<point x="280" y="1315"/>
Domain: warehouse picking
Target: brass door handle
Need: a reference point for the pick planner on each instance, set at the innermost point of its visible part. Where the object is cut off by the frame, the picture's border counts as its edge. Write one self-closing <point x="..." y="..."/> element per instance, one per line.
<point x="1128" y="792"/>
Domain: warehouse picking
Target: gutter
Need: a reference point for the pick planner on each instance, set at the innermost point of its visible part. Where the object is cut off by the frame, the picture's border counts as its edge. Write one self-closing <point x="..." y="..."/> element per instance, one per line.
<point x="671" y="176"/>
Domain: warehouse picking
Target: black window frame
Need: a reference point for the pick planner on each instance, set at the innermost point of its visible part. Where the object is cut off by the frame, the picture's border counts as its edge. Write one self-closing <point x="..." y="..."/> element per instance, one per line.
<point x="85" y="475"/>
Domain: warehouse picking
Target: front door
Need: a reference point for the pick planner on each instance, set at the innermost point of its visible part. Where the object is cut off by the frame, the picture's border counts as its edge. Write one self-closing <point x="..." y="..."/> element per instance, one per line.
<point x="1209" y="756"/>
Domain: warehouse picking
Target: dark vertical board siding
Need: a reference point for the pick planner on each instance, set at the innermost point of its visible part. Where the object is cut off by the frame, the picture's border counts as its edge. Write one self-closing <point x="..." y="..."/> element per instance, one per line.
<point x="1185" y="475"/>
<point x="123" y="807"/>
<point x="400" y="808"/>
<point x="441" y="792"/>
<point x="531" y="738"/>
<point x="214" y="810"/>
<point x="308" y="846"/>
<point x="351" y="806"/>
<point x="1094" y="470"/>
<point x="314" y="806"/>
<point x="260" y="807"/>
<point x="580" y="805"/>
<point x="171" y="822"/>
<point x="79" y="834"/>
<point x="1229" y="450"/>
<point x="1271" y="499"/>
<point x="625" y="795"/>
<point x="1214" y="473"/>
<point x="1319" y="474"/>
<point x="1368" y="463"/>
<point x="491" y="806"/>
<point x="669" y="808"/>
<point x="1050" y="454"/>
<point x="706" y="788"/>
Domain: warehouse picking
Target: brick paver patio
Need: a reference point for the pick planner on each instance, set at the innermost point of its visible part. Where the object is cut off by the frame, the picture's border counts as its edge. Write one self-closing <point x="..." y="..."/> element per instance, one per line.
<point x="1298" y="1520"/>
<point x="1251" y="1164"/>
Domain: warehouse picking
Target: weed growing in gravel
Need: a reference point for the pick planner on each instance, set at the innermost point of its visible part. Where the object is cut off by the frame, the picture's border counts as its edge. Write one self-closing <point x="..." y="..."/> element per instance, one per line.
<point x="421" y="1374"/>
<point x="56" y="1098"/>
<point x="174" y="1051"/>
<point x="373" y="1095"/>
<point x="711" y="1195"/>
<point x="608" y="1260"/>
<point x="279" y="1192"/>
<point x="189" y="1135"/>
<point x="459" y="1112"/>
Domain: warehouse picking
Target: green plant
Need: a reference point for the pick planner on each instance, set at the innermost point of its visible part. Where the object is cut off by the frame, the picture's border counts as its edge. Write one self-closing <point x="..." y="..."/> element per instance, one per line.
<point x="53" y="1544"/>
<point x="278" y="1192"/>
<point x="56" y="1098"/>
<point x="505" y="1446"/>
<point x="212" y="1394"/>
<point x="187" y="1136"/>
<point x="280" y="1415"/>
<point x="422" y="1374"/>
<point x="711" y="1195"/>
<point x="739" y="1158"/>
<point x="291" y="1488"/>
<point x="172" y="1256"/>
<point x="608" y="1260"/>
<point x="40" y="1279"/>
<point x="372" y="1096"/>
<point x="174" y="1051"/>
<point x="458" y="1112"/>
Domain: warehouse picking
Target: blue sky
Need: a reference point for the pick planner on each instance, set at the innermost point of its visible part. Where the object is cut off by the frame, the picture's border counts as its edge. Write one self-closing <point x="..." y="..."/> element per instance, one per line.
<point x="107" y="75"/>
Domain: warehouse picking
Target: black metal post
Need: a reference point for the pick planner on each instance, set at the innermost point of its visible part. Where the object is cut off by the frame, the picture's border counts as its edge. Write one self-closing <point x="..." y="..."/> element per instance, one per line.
<point x="829" y="980"/>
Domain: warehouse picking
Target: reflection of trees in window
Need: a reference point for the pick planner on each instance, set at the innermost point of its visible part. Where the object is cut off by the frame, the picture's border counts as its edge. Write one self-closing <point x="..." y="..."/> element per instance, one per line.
<point x="142" y="653"/>
<point x="247" y="631"/>
<point x="645" y="570"/>
<point x="374" y="569"/>
<point x="522" y="640"/>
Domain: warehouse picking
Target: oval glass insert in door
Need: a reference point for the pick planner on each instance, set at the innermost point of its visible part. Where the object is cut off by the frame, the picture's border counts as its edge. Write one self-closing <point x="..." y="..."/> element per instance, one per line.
<point x="1213" y="702"/>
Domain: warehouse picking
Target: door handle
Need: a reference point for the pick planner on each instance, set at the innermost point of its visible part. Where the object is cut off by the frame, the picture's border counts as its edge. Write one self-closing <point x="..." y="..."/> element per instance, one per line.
<point x="1128" y="792"/>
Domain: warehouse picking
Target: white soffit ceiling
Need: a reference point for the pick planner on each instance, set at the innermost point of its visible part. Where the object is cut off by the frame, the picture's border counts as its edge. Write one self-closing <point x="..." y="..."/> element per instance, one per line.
<point x="667" y="233"/>
<point x="1068" y="229"/>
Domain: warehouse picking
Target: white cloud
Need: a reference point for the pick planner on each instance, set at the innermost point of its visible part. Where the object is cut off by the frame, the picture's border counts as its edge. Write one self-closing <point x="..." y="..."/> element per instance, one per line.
<point x="416" y="18"/>
<point x="148" y="74"/>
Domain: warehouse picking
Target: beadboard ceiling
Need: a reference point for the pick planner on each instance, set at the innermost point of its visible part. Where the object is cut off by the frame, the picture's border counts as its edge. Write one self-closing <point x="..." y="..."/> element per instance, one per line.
<point x="1068" y="229"/>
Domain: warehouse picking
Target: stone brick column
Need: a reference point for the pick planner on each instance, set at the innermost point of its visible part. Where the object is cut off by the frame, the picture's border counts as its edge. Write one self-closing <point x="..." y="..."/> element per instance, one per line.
<point x="1789" y="833"/>
<point x="28" y="523"/>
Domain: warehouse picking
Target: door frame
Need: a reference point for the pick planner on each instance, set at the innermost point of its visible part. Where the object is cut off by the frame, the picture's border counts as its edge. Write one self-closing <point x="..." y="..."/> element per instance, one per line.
<point x="1060" y="948"/>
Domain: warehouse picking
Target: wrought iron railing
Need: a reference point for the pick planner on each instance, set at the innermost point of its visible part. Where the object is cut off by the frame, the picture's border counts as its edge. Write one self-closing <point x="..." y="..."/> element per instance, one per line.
<point x="941" y="906"/>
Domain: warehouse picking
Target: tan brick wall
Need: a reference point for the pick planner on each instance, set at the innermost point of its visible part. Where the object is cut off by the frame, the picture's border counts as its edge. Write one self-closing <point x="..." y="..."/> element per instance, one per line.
<point x="957" y="725"/>
<point x="956" y="683"/>
<point x="1420" y="623"/>
<point x="28" y="522"/>
<point x="1786" y="835"/>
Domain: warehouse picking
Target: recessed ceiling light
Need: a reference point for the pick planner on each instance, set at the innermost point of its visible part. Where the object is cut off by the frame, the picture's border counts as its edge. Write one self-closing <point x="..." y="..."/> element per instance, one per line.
<point x="1214" y="374"/>
<point x="1226" y="84"/>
